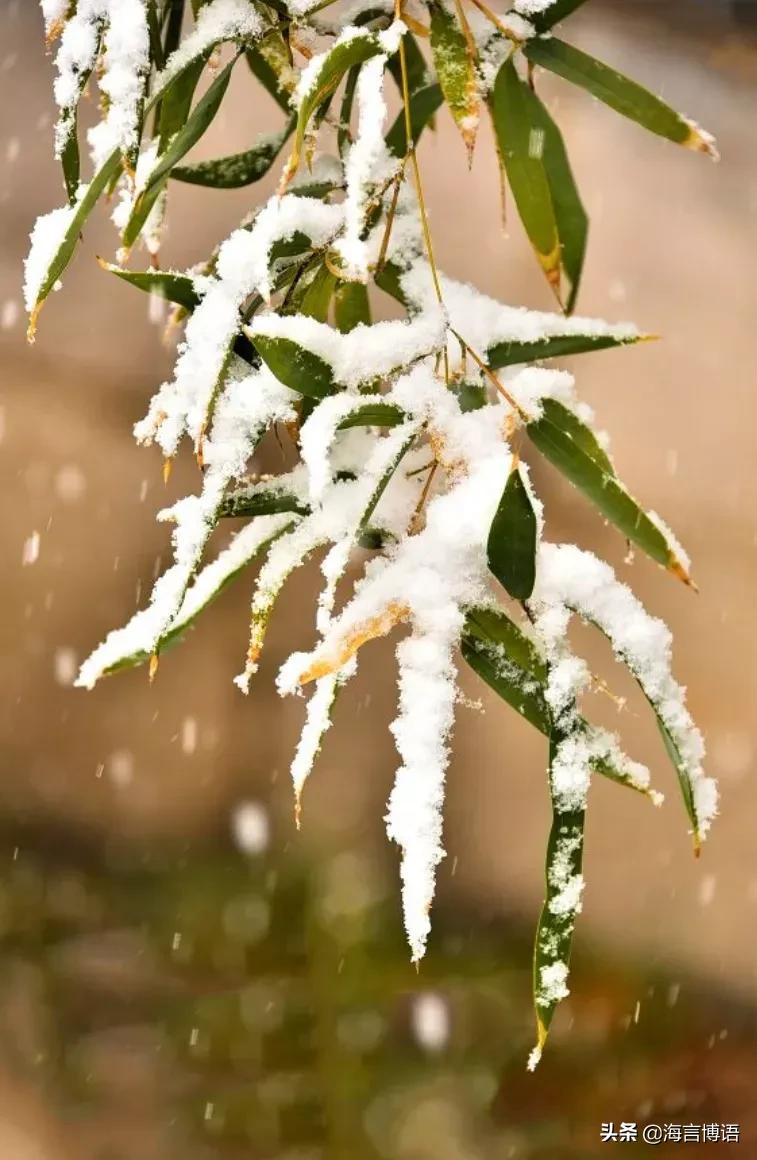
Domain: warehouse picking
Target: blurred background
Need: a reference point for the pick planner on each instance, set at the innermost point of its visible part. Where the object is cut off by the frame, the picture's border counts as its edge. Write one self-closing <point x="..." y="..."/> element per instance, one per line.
<point x="182" y="974"/>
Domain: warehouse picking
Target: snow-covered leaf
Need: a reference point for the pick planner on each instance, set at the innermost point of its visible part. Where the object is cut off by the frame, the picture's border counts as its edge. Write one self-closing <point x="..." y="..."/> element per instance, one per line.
<point x="619" y="92"/>
<point x="511" y="353"/>
<point x="554" y="13"/>
<point x="454" y="60"/>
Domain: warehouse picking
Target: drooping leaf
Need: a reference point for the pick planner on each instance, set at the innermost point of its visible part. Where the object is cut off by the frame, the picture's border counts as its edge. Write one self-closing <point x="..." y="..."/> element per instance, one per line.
<point x="190" y="133"/>
<point x="67" y="245"/>
<point x="423" y="104"/>
<point x="572" y="222"/>
<point x="344" y="136"/>
<point x="455" y="64"/>
<point x="351" y="306"/>
<point x="619" y="92"/>
<point x="512" y="543"/>
<point x="238" y="169"/>
<point x="568" y="444"/>
<point x="297" y="368"/>
<point x="554" y="933"/>
<point x="178" y="288"/>
<point x="520" y="141"/>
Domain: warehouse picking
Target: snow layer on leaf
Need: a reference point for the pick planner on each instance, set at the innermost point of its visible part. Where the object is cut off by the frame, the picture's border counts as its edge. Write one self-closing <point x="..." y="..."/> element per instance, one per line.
<point x="46" y="239"/>
<point x="181" y="405"/>
<point x="428" y="579"/>
<point x="125" y="66"/>
<point x="367" y="352"/>
<point x="532" y="7"/>
<point x="76" y="55"/>
<point x="368" y="164"/>
<point x="245" y="409"/>
<point x="319" y="431"/>
<point x="569" y="579"/>
<point x="53" y="12"/>
<point x="218" y="21"/>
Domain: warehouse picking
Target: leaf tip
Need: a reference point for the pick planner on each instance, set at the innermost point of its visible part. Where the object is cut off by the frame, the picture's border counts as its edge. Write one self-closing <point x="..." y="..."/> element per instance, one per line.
<point x="154" y="662"/>
<point x="700" y="141"/>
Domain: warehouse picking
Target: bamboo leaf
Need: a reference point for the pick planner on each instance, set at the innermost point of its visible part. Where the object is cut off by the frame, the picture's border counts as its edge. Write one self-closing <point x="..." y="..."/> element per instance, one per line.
<point x="261" y="502"/>
<point x="195" y="126"/>
<point x="516" y="125"/>
<point x="315" y="299"/>
<point x="351" y="306"/>
<point x="505" y="354"/>
<point x="554" y="933"/>
<point x="178" y="288"/>
<point x="572" y="222"/>
<point x="269" y="60"/>
<point x="455" y="66"/>
<point x="568" y="444"/>
<point x="238" y="169"/>
<point x="511" y="547"/>
<point x="423" y="104"/>
<point x="64" y="251"/>
<point x="619" y="92"/>
<point x="374" y="415"/>
<point x="415" y="65"/>
<point x="295" y="367"/>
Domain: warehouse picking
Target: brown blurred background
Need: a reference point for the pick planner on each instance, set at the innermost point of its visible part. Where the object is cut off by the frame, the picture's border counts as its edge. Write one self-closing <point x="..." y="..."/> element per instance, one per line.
<point x="95" y="784"/>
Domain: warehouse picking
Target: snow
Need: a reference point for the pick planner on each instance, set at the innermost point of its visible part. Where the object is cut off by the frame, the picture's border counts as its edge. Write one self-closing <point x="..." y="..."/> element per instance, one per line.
<point x="53" y="12"/>
<point x="367" y="352"/>
<point x="368" y="164"/>
<point x="181" y="405"/>
<point x="532" y="7"/>
<point x="218" y="21"/>
<point x="47" y="237"/>
<point x="125" y="67"/>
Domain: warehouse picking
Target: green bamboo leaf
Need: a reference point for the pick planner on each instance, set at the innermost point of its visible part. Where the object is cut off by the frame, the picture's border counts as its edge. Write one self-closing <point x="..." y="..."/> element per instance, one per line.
<point x="342" y="57"/>
<point x="619" y="92"/>
<point x="351" y="306"/>
<point x="238" y="169"/>
<point x="505" y="354"/>
<point x="175" y="102"/>
<point x="423" y="104"/>
<point x="470" y="396"/>
<point x="455" y="66"/>
<point x="315" y="297"/>
<point x="519" y="138"/>
<point x="415" y="65"/>
<point x="295" y="367"/>
<point x="344" y="136"/>
<point x="270" y="61"/>
<point x="195" y="126"/>
<point x="374" y="415"/>
<point x="511" y="547"/>
<point x="554" y="933"/>
<point x="261" y="502"/>
<point x="572" y="221"/>
<point x="569" y="445"/>
<point x="178" y="288"/>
